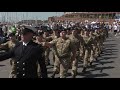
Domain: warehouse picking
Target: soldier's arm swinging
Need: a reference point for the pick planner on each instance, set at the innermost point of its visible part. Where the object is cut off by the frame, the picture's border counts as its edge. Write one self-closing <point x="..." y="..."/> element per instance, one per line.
<point x="50" y="44"/>
<point x="7" y="55"/>
<point x="4" y="45"/>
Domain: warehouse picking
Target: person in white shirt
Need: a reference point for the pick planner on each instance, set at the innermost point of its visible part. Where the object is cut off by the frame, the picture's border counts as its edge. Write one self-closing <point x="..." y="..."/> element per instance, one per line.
<point x="115" y="29"/>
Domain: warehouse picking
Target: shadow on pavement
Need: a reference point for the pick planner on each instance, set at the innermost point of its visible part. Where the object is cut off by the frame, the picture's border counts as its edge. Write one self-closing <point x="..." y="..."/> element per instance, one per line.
<point x="110" y="44"/>
<point x="105" y="58"/>
<point x="96" y="75"/>
<point x="109" y="40"/>
<point x="102" y="68"/>
<point x="2" y="65"/>
<point x="88" y="73"/>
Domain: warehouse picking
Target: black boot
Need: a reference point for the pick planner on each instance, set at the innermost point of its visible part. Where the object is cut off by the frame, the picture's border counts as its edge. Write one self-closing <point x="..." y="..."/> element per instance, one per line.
<point x="53" y="75"/>
<point x="84" y="69"/>
<point x="102" y="52"/>
<point x="74" y="74"/>
<point x="91" y="63"/>
<point x="96" y="59"/>
<point x="99" y="55"/>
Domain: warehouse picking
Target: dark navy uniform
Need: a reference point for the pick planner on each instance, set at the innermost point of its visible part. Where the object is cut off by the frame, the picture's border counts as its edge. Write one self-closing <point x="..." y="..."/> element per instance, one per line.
<point x="26" y="58"/>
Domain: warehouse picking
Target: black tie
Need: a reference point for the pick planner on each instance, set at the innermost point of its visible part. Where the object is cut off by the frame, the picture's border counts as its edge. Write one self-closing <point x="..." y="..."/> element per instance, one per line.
<point x="24" y="48"/>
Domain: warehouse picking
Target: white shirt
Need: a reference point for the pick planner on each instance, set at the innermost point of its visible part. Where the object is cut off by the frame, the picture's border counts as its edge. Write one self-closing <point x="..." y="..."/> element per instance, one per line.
<point x="115" y="27"/>
<point x="25" y="44"/>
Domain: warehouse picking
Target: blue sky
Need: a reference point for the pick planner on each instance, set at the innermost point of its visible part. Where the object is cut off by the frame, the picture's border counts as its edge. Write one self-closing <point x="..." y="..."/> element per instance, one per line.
<point x="28" y="15"/>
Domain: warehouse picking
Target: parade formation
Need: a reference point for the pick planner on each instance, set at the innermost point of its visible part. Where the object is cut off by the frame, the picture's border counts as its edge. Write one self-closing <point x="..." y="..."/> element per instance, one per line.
<point x="70" y="43"/>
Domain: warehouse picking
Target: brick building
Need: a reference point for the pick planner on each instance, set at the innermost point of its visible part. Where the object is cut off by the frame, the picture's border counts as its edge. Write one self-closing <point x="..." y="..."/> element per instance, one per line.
<point x="82" y="16"/>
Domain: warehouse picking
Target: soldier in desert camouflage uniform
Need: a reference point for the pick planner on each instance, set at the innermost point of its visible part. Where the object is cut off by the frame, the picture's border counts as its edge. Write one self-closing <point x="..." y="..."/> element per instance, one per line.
<point x="63" y="49"/>
<point x="54" y="36"/>
<point x="77" y="40"/>
<point x="102" y="39"/>
<point x="7" y="46"/>
<point x="47" y="51"/>
<point x="94" y="46"/>
<point x="82" y="46"/>
<point x="88" y="41"/>
<point x="97" y="50"/>
<point x="40" y="40"/>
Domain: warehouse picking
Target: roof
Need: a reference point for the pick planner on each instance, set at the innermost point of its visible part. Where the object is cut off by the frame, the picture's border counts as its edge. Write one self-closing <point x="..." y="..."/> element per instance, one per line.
<point x="65" y="13"/>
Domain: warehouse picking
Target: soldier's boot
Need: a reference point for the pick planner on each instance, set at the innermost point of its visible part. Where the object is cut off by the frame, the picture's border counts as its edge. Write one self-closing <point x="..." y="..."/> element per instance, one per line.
<point x="102" y="52"/>
<point x="91" y="63"/>
<point x="92" y="58"/>
<point x="73" y="76"/>
<point x="84" y="69"/>
<point x="96" y="59"/>
<point x="39" y="75"/>
<point x="74" y="73"/>
<point x="53" y="75"/>
<point x="99" y="55"/>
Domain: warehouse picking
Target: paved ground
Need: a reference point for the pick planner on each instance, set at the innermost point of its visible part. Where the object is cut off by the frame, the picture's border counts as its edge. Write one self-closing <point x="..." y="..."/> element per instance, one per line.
<point x="107" y="66"/>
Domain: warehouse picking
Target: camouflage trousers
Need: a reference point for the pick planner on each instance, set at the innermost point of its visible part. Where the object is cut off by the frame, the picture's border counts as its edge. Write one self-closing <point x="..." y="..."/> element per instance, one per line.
<point x="47" y="52"/>
<point x="87" y="55"/>
<point x="93" y="55"/>
<point x="13" y="69"/>
<point x="81" y="53"/>
<point x="53" y="55"/>
<point x="75" y="63"/>
<point x="62" y="65"/>
<point x="97" y="50"/>
<point x="101" y="45"/>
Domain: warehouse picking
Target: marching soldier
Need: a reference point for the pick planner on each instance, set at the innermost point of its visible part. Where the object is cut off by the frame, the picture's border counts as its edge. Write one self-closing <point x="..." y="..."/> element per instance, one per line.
<point x="102" y="39"/>
<point x="63" y="49"/>
<point x="94" y="45"/>
<point x="54" y="36"/>
<point x="82" y="46"/>
<point x="77" y="40"/>
<point x="97" y="50"/>
<point x="39" y="38"/>
<point x="41" y="41"/>
<point x="88" y="41"/>
<point x="8" y="46"/>
<point x="26" y="54"/>
<point x="47" y="51"/>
